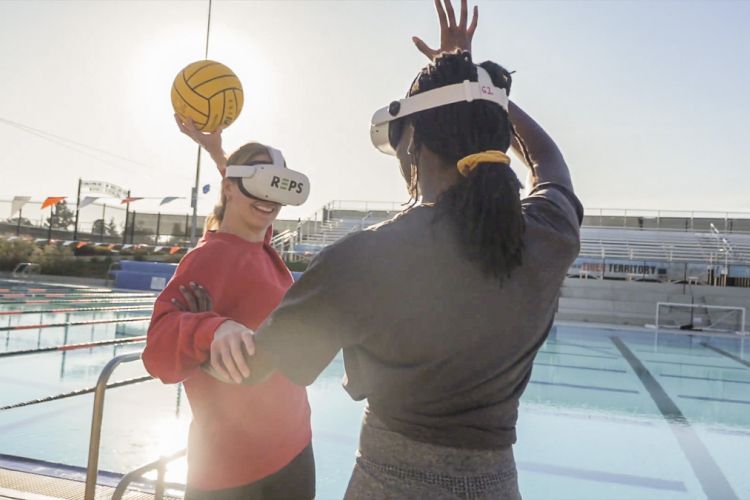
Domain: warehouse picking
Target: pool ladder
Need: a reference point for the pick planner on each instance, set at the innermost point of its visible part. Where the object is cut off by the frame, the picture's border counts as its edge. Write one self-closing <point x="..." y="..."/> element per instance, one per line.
<point x="92" y="468"/>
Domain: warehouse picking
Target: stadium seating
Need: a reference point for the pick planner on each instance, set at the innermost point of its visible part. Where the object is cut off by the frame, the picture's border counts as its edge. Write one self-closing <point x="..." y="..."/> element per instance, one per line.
<point x="606" y="242"/>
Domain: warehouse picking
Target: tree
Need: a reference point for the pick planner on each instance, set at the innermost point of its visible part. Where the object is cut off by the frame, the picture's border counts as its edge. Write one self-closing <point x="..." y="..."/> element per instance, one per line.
<point x="178" y="229"/>
<point x="62" y="216"/>
<point x="111" y="228"/>
<point x="98" y="227"/>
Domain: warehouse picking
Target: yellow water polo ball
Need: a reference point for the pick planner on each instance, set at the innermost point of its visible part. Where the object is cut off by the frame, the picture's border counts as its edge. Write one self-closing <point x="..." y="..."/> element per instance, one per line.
<point x="209" y="93"/>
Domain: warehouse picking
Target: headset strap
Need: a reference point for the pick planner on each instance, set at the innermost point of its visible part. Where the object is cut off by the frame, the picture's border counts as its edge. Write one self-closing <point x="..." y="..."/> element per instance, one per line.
<point x="249" y="170"/>
<point x="467" y="91"/>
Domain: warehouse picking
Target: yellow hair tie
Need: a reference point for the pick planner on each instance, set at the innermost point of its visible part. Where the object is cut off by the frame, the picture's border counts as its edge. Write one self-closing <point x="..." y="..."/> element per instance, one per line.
<point x="469" y="163"/>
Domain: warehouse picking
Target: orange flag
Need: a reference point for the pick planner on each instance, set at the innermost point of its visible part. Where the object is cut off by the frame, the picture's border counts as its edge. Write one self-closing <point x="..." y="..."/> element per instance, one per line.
<point x="174" y="250"/>
<point x="52" y="201"/>
<point x="130" y="200"/>
<point x="81" y="244"/>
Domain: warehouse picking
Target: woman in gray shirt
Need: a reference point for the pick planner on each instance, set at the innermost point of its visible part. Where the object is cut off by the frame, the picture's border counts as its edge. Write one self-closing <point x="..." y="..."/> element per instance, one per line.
<point x="441" y="310"/>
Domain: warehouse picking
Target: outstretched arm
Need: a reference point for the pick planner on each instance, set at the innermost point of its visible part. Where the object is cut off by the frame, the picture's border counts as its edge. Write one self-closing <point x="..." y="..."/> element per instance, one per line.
<point x="538" y="150"/>
<point x="301" y="336"/>
<point x="211" y="142"/>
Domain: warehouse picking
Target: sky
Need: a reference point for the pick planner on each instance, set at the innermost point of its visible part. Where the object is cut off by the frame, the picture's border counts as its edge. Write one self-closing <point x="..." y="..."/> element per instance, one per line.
<point x="647" y="100"/>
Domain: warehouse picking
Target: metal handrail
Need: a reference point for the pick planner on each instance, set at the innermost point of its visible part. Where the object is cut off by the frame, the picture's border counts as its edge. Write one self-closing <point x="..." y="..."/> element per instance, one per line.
<point x="25" y="269"/>
<point x="92" y="468"/>
<point x="280" y="236"/>
<point x="160" y="466"/>
<point x="364" y="219"/>
<point x="280" y="241"/>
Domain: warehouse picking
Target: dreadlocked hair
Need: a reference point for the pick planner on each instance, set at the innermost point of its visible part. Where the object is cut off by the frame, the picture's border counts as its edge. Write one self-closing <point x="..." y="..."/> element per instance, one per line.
<point x="485" y="206"/>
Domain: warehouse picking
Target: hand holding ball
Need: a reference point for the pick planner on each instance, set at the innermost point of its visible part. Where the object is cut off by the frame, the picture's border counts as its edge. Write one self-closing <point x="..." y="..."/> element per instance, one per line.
<point x="208" y="93"/>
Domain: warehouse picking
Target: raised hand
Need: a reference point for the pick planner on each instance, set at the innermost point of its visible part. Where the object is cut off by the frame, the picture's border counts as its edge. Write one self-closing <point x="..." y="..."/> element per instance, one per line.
<point x="453" y="36"/>
<point x="210" y="141"/>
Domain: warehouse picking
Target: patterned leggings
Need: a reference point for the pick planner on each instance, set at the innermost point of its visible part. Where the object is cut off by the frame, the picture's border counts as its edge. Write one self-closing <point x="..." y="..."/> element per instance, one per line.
<point x="390" y="465"/>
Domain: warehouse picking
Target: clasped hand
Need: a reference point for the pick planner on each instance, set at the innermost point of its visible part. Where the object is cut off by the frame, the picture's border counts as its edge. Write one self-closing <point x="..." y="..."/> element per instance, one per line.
<point x="228" y="358"/>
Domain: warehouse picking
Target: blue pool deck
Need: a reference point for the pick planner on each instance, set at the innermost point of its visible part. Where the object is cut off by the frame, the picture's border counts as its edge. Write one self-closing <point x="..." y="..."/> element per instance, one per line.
<point x="609" y="413"/>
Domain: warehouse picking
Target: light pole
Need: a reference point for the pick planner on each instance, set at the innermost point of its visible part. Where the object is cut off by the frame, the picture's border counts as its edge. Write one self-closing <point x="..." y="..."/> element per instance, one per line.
<point x="194" y="194"/>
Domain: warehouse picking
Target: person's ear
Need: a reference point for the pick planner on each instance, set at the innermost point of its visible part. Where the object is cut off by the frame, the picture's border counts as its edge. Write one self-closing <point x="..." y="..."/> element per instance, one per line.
<point x="226" y="188"/>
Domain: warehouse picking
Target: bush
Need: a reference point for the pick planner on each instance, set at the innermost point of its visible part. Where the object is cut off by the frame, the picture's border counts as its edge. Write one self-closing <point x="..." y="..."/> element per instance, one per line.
<point x="52" y="259"/>
<point x="91" y="250"/>
<point x="14" y="252"/>
<point x="173" y="258"/>
<point x="56" y="260"/>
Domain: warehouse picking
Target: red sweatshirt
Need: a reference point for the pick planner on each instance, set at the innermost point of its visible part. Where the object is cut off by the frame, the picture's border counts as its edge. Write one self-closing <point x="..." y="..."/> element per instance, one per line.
<point x="239" y="433"/>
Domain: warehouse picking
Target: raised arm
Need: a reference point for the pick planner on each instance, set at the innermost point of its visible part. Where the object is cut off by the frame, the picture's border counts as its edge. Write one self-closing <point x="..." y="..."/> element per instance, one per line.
<point x="211" y="142"/>
<point x="538" y="150"/>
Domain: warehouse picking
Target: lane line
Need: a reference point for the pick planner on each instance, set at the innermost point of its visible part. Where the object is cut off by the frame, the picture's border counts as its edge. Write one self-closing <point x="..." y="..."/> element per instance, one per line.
<point x="728" y="380"/>
<point x="718" y="400"/>
<point x="588" y="387"/>
<point x="601" y="350"/>
<point x="665" y="353"/>
<point x="574" y="367"/>
<point x="604" y="476"/>
<point x="723" y="367"/>
<point x="708" y="473"/>
<point x="555" y="353"/>
<point x="727" y="354"/>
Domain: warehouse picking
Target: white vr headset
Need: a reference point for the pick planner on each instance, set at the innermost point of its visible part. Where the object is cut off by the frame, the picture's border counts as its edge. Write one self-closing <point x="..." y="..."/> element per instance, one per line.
<point x="385" y="135"/>
<point x="271" y="182"/>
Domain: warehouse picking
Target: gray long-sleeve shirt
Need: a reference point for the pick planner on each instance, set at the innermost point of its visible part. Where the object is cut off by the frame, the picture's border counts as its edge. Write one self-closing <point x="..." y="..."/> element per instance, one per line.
<point x="441" y="352"/>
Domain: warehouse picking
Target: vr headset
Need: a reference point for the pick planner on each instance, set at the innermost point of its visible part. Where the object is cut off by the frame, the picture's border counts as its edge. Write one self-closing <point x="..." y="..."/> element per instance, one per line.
<point x="271" y="182"/>
<point x="386" y="126"/>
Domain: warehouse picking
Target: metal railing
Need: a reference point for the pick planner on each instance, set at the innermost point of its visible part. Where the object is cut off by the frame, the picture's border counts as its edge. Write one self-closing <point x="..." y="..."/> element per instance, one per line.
<point x="365" y="206"/>
<point x="160" y="466"/>
<point x="284" y="240"/>
<point x="26" y="269"/>
<point x="92" y="468"/>
<point x="364" y="220"/>
<point x="667" y="220"/>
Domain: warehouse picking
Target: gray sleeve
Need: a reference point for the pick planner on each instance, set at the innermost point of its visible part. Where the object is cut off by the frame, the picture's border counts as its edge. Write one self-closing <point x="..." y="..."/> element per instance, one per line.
<point x="314" y="321"/>
<point x="555" y="206"/>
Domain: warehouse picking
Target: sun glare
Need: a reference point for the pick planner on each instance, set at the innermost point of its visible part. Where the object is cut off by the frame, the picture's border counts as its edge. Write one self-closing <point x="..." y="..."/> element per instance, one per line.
<point x="170" y="437"/>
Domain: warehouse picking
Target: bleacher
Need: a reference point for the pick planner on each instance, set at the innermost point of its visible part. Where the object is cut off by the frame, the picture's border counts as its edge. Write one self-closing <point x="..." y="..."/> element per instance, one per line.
<point x="671" y="246"/>
<point x="311" y="236"/>
<point x="690" y="240"/>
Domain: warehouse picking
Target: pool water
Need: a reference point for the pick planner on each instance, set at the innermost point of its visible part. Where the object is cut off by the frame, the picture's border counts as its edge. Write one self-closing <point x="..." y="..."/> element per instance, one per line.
<point x="609" y="413"/>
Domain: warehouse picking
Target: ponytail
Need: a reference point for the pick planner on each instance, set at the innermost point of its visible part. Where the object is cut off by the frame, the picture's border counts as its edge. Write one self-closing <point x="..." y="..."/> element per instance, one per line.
<point x="213" y="220"/>
<point x="485" y="208"/>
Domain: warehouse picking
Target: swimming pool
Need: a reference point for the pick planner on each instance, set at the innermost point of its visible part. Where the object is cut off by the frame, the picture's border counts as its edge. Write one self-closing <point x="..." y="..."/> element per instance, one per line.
<point x="609" y="413"/>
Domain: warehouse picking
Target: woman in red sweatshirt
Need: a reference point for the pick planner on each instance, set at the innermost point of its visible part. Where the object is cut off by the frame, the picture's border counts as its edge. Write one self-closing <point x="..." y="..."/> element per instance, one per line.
<point x="245" y="442"/>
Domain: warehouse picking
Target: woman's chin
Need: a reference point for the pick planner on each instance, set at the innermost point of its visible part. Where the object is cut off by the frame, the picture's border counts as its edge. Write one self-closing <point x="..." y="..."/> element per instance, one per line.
<point x="261" y="222"/>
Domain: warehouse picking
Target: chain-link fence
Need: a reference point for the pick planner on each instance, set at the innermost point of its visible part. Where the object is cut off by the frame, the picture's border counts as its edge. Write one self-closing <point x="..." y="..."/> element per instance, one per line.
<point x="99" y="222"/>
